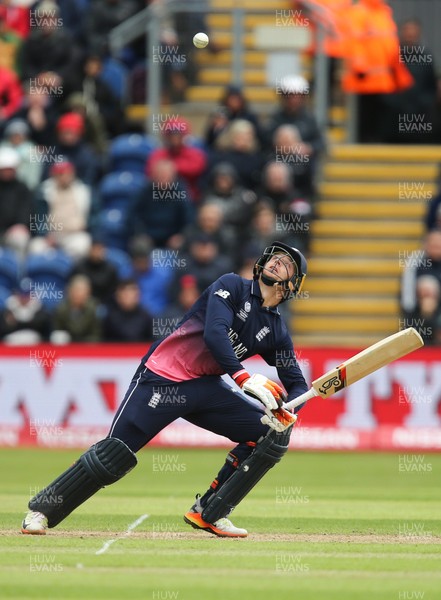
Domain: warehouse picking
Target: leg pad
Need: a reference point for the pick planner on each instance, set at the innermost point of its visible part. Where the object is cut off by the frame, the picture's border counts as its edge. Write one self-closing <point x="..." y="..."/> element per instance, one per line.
<point x="104" y="463"/>
<point x="268" y="452"/>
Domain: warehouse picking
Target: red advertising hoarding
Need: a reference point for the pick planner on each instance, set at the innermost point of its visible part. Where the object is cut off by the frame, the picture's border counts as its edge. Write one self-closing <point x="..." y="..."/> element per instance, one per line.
<point x="66" y="396"/>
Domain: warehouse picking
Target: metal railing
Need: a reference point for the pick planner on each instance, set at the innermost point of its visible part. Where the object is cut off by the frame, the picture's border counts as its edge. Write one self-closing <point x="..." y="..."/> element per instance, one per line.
<point x="148" y="22"/>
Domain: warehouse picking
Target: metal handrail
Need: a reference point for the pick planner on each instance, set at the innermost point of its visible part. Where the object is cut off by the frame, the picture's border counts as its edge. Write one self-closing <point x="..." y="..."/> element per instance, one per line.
<point x="148" y="21"/>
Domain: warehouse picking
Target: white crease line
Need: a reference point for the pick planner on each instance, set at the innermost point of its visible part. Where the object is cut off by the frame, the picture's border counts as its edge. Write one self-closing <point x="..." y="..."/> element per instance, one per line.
<point x="130" y="528"/>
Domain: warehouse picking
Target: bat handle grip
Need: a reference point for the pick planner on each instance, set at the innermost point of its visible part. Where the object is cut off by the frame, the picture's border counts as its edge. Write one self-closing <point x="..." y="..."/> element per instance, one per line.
<point x="311" y="393"/>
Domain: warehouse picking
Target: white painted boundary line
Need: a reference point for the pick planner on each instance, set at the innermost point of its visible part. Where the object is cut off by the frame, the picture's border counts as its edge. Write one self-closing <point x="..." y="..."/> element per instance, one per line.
<point x="130" y="528"/>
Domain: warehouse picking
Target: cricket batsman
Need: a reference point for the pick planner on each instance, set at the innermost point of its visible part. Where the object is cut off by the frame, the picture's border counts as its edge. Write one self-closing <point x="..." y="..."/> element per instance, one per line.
<point x="232" y="320"/>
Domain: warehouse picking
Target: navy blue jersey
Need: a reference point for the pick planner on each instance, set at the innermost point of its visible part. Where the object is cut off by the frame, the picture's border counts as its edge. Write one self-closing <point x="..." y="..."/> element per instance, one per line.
<point x="226" y="325"/>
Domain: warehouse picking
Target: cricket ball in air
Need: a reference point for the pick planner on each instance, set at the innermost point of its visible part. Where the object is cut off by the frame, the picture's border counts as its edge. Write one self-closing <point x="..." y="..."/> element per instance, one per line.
<point x="200" y="40"/>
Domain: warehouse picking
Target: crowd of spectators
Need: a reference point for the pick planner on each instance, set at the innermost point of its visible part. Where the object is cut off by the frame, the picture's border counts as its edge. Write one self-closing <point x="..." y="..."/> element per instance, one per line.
<point x="108" y="233"/>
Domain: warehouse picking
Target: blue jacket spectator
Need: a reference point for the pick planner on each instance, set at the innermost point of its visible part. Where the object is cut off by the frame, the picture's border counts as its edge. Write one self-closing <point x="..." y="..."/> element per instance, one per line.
<point x="153" y="271"/>
<point x="163" y="208"/>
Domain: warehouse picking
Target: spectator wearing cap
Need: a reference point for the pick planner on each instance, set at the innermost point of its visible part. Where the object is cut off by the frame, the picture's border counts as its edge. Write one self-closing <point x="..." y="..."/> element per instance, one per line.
<point x="126" y="319"/>
<point x="233" y="105"/>
<point x="71" y="147"/>
<point x="63" y="205"/>
<point x="11" y="94"/>
<point x="293" y="110"/>
<point x="102" y="274"/>
<point x="190" y="162"/>
<point x="15" y="201"/>
<point x="24" y="320"/>
<point x="16" y="136"/>
<point x="163" y="207"/>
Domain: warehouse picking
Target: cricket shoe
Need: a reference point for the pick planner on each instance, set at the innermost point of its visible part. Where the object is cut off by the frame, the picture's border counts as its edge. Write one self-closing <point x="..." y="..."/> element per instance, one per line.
<point x="222" y="527"/>
<point x="34" y="523"/>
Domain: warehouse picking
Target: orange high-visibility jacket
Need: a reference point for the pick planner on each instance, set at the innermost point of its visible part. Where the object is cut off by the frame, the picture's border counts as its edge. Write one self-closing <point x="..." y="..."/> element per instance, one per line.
<point x="372" y="53"/>
<point x="332" y="15"/>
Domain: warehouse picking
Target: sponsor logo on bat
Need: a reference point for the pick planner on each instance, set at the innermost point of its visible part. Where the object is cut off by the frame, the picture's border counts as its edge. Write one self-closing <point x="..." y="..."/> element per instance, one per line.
<point x="334" y="383"/>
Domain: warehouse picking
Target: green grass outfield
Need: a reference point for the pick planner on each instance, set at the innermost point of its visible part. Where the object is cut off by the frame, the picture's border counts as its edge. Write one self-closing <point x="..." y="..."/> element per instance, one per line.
<point x="322" y="526"/>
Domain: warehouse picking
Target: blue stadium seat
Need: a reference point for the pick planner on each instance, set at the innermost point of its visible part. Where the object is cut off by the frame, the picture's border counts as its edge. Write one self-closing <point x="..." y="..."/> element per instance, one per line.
<point x="49" y="273"/>
<point x="195" y="142"/>
<point x="112" y="225"/>
<point x="117" y="190"/>
<point x="115" y="75"/>
<point x="121" y="260"/>
<point x="9" y="269"/>
<point x="4" y="295"/>
<point x="129" y="152"/>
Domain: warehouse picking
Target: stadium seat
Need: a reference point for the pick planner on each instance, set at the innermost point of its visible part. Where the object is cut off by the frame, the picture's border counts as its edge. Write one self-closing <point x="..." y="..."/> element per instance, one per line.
<point x="4" y="295"/>
<point x="115" y="75"/>
<point x="121" y="260"/>
<point x="49" y="273"/>
<point x="112" y="224"/>
<point x="9" y="269"/>
<point x="129" y="152"/>
<point x="118" y="189"/>
<point x="195" y="142"/>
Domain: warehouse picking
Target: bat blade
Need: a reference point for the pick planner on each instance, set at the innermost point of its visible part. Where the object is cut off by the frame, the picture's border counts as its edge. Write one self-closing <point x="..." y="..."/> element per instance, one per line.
<point x="367" y="361"/>
<point x="358" y="366"/>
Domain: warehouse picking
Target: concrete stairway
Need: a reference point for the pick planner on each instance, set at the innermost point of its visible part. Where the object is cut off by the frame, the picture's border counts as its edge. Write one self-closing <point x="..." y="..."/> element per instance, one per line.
<point x="370" y="214"/>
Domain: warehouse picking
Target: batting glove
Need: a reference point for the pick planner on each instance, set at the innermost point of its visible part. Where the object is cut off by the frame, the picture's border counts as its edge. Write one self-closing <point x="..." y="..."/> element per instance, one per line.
<point x="279" y="420"/>
<point x="263" y="389"/>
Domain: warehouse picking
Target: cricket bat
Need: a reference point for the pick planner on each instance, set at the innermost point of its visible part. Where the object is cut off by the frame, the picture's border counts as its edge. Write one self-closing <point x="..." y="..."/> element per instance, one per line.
<point x="355" y="368"/>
